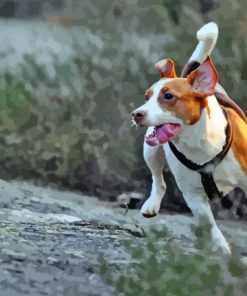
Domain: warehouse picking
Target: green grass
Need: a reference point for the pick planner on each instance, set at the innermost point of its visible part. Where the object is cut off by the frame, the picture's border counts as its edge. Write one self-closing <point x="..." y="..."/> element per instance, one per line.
<point x="159" y="267"/>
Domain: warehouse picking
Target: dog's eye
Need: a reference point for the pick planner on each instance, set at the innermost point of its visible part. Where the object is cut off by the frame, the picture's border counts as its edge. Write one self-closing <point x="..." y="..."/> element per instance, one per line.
<point x="146" y="98"/>
<point x="168" y="96"/>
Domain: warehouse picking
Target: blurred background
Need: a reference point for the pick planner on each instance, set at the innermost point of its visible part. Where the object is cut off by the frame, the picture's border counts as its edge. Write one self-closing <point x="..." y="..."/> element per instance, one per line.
<point x="71" y="72"/>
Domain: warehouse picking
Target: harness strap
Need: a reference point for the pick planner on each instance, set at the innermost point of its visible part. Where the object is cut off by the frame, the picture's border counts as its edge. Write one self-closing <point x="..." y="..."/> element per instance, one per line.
<point x="210" y="186"/>
<point x="212" y="190"/>
<point x="206" y="170"/>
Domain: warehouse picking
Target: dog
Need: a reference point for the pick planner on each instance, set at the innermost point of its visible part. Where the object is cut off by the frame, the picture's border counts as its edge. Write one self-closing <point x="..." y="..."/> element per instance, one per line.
<point x="203" y="137"/>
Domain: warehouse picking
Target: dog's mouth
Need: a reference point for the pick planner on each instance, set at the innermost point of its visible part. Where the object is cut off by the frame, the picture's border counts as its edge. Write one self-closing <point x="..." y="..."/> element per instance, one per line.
<point x="163" y="133"/>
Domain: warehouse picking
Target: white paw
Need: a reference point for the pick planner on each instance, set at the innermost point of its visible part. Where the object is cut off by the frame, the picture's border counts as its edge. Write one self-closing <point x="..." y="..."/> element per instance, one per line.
<point x="219" y="242"/>
<point x="151" y="207"/>
<point x="222" y="248"/>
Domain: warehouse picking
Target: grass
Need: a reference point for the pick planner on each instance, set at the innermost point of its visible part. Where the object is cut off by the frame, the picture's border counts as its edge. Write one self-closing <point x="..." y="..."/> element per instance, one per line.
<point x="159" y="267"/>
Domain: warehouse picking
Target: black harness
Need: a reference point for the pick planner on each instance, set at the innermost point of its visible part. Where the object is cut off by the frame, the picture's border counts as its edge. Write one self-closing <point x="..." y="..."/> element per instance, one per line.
<point x="206" y="170"/>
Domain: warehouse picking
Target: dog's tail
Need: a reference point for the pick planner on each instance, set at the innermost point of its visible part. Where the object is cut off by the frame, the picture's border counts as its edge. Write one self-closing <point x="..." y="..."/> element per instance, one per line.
<point x="207" y="37"/>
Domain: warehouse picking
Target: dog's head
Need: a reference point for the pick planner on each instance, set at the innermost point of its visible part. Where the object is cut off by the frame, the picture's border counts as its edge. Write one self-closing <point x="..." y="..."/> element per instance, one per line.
<point x="172" y="102"/>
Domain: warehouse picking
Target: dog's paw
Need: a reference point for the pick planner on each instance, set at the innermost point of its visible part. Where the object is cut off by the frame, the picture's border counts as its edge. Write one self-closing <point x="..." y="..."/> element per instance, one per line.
<point x="151" y="207"/>
<point x="222" y="248"/>
<point x="219" y="243"/>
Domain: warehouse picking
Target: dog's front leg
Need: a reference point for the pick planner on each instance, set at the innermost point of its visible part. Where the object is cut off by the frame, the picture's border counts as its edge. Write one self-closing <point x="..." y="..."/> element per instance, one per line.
<point x="200" y="207"/>
<point x="155" y="160"/>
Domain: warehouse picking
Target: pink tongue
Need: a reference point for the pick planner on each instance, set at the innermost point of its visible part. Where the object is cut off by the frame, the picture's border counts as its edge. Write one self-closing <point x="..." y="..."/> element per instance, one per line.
<point x="163" y="134"/>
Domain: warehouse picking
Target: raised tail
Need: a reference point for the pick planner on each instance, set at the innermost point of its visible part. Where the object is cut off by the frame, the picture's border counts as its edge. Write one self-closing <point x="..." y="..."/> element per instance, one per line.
<point x="207" y="37"/>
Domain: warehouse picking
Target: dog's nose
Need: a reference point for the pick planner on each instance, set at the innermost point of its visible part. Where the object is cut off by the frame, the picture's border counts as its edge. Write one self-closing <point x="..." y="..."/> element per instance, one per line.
<point x="138" y="115"/>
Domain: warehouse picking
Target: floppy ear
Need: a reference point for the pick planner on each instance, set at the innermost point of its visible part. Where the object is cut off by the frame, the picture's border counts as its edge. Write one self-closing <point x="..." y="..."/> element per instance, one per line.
<point x="204" y="79"/>
<point x="166" y="68"/>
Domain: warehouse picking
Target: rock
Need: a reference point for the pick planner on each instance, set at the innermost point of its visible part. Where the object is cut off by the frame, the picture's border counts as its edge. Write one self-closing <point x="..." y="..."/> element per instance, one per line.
<point x="130" y="199"/>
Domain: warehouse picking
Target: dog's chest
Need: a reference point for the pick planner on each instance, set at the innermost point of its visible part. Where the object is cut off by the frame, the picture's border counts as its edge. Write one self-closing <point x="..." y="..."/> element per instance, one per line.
<point x="227" y="175"/>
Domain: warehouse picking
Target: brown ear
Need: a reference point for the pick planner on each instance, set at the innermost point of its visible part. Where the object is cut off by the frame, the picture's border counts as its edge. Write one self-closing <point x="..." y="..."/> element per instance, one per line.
<point x="204" y="79"/>
<point x="166" y="68"/>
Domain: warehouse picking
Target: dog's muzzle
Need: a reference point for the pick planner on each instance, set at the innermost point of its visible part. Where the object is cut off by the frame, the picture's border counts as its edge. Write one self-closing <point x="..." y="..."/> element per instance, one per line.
<point x="139" y="117"/>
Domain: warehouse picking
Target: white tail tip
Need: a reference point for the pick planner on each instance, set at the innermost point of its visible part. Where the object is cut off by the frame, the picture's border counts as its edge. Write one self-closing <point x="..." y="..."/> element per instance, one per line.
<point x="209" y="30"/>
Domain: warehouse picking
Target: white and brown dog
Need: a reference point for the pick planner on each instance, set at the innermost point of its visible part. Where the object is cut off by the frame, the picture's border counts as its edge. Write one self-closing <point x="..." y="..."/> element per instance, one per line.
<point x="188" y="127"/>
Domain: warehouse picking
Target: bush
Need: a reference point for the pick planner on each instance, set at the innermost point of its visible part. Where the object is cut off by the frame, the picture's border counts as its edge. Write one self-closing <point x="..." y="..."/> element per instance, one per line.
<point x="67" y="92"/>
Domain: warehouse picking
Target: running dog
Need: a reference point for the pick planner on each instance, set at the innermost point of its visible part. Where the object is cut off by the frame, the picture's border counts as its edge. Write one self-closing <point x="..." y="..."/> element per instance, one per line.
<point x="198" y="130"/>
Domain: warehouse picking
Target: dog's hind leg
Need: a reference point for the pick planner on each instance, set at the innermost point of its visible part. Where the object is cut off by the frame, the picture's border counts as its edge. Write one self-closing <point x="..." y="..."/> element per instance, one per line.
<point x="200" y="207"/>
<point x="155" y="160"/>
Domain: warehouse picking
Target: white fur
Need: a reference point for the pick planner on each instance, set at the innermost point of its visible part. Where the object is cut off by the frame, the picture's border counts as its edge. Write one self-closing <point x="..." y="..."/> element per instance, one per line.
<point x="155" y="160"/>
<point x="200" y="143"/>
<point x="207" y="37"/>
<point x="156" y="115"/>
<point x="205" y="139"/>
<point x="228" y="174"/>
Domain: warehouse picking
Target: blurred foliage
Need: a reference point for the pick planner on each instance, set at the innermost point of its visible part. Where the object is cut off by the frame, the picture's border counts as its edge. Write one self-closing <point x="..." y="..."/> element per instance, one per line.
<point x="65" y="108"/>
<point x="162" y="267"/>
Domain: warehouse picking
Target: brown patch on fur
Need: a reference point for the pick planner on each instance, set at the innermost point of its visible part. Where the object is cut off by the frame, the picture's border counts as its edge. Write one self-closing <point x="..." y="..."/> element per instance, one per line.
<point x="166" y="68"/>
<point x="148" y="94"/>
<point x="239" y="142"/>
<point x="186" y="104"/>
<point x="229" y="103"/>
<point x="207" y="108"/>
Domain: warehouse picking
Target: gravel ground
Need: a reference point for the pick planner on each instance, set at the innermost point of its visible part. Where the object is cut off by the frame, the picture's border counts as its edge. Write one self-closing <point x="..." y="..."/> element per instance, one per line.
<point x="51" y="241"/>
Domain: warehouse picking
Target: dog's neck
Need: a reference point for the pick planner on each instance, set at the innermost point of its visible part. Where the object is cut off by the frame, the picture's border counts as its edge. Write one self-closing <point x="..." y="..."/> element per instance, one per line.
<point x="202" y="141"/>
